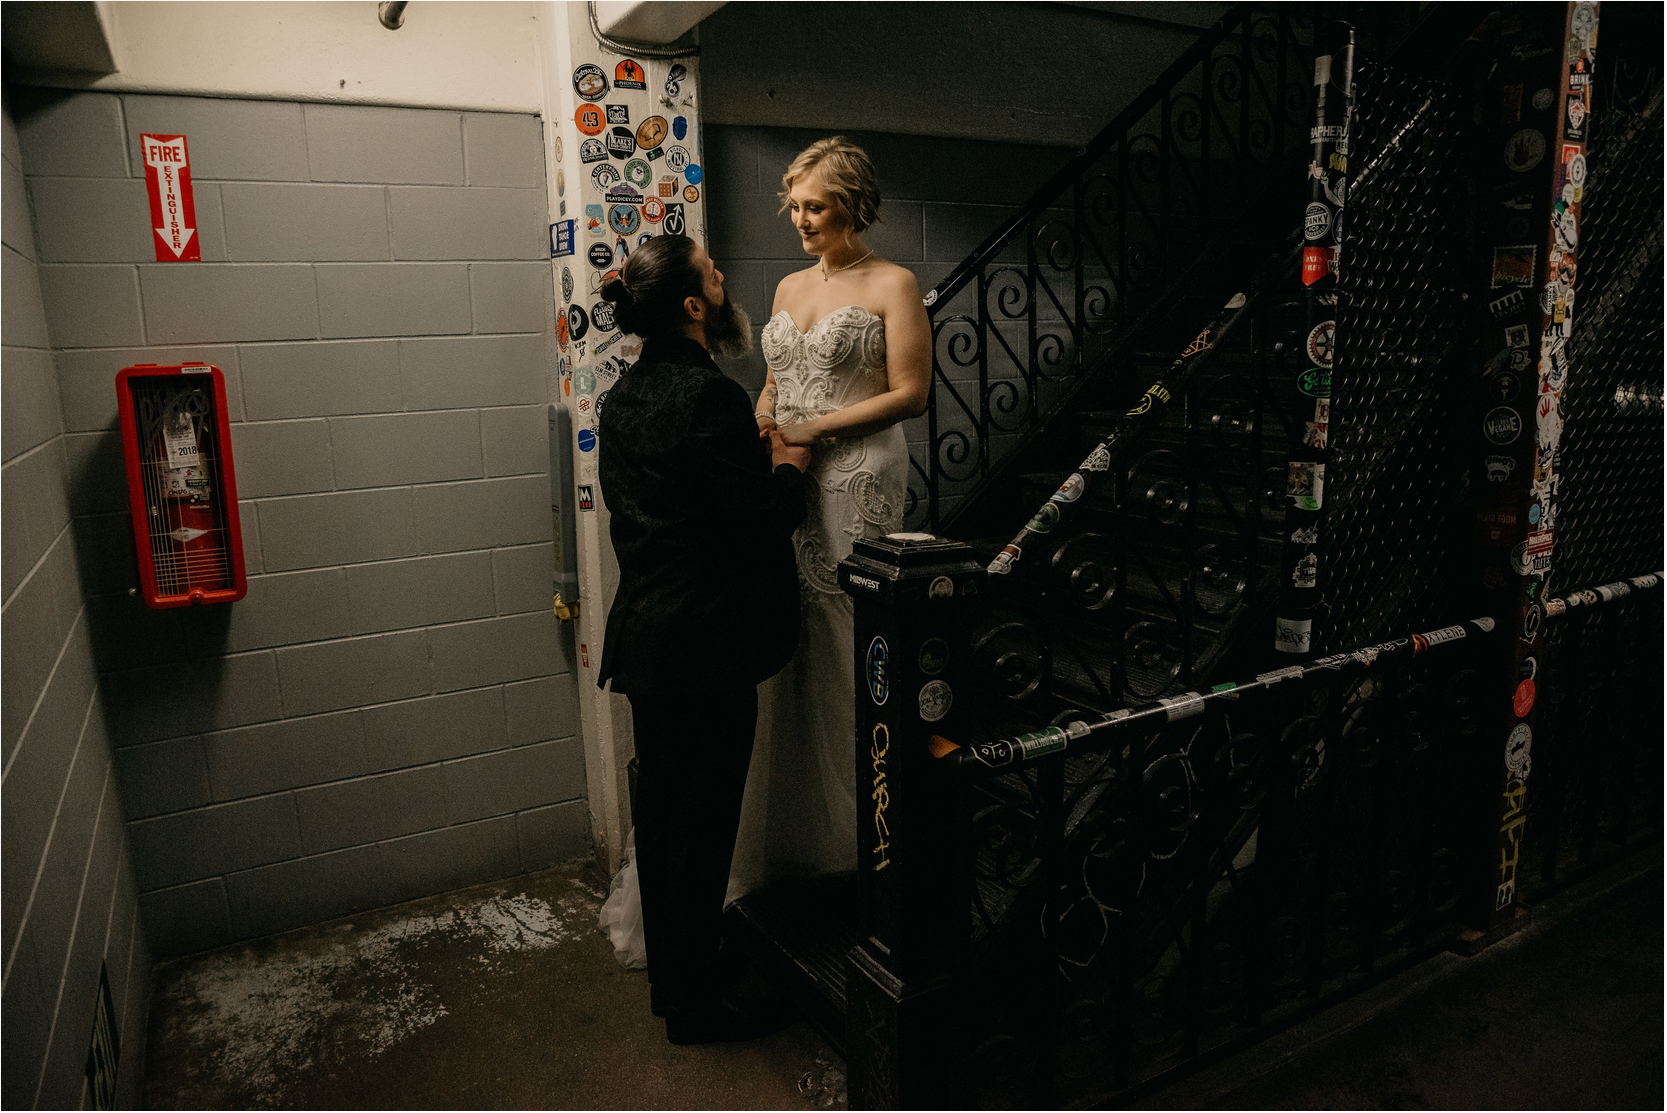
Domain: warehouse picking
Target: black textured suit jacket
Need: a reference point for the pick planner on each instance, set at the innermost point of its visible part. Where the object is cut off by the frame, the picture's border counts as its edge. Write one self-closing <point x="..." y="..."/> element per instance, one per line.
<point x="702" y="528"/>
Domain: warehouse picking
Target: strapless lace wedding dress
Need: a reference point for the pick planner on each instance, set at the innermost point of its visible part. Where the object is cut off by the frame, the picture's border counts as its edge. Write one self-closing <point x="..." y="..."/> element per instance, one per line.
<point x="799" y="817"/>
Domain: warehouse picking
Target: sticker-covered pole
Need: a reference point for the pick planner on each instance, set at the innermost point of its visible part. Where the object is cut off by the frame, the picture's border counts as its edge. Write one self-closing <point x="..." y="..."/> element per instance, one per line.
<point x="1535" y="107"/>
<point x="1310" y="403"/>
<point x="914" y="597"/>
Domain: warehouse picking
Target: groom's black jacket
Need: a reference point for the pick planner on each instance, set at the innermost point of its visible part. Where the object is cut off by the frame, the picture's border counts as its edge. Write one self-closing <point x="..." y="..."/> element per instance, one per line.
<point x="701" y="526"/>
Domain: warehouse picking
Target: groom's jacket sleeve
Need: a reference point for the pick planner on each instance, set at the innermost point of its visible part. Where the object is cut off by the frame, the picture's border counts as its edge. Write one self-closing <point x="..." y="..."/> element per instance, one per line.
<point x="736" y="483"/>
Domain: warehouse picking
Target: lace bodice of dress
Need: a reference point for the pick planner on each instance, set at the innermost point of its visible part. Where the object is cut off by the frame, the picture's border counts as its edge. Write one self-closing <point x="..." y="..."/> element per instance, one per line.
<point x="841" y="360"/>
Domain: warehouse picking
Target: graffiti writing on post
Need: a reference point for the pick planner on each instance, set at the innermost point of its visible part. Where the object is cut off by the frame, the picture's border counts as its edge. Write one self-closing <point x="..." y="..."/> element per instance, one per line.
<point x="881" y="795"/>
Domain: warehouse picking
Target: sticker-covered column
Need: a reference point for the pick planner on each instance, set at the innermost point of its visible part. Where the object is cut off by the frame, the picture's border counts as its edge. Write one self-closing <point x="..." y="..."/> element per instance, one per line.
<point x="622" y="138"/>
<point x="1536" y="111"/>
<point x="1322" y="230"/>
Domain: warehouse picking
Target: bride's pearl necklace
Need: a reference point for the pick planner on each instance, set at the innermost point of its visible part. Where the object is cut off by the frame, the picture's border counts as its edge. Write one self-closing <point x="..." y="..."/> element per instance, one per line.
<point x="846" y="267"/>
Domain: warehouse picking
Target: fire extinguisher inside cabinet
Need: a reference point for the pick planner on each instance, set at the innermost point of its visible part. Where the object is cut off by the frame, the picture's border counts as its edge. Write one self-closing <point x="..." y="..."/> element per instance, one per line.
<point x="192" y="553"/>
<point x="176" y="437"/>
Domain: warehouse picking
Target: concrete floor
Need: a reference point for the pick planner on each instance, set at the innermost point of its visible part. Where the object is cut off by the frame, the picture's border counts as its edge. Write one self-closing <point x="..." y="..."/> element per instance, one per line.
<point x="508" y="995"/>
<point x="1564" y="1015"/>
<point x="500" y="996"/>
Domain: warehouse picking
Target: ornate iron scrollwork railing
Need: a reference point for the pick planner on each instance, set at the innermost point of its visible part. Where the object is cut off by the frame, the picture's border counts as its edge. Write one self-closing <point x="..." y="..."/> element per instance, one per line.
<point x="1043" y="306"/>
<point x="1154" y="884"/>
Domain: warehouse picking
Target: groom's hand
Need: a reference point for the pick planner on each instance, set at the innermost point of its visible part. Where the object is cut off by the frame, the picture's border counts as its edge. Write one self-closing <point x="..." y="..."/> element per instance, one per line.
<point x="783" y="453"/>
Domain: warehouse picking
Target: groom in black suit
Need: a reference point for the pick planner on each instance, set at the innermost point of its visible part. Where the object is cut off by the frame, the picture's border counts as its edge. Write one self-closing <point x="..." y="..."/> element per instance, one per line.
<point x="703" y="513"/>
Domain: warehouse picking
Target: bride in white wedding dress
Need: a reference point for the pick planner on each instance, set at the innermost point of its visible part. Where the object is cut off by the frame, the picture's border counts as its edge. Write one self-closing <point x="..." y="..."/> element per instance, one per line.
<point x="849" y="351"/>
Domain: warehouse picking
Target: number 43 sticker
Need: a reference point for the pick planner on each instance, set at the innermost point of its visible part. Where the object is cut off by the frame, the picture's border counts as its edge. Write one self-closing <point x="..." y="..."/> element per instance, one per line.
<point x="674" y="220"/>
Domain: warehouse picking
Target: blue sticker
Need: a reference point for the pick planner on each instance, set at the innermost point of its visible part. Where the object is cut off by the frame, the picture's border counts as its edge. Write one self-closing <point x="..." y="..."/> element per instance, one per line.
<point x="561" y="239"/>
<point x="692" y="174"/>
<point x="587" y="441"/>
<point x="679" y="127"/>
<point x="879" y="683"/>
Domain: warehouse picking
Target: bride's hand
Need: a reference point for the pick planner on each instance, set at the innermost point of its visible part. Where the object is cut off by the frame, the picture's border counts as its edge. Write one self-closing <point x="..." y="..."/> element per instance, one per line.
<point x="766" y="426"/>
<point x="801" y="433"/>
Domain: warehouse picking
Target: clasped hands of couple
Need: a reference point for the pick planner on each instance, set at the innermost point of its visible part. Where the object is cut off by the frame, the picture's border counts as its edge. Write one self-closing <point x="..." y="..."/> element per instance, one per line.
<point x="795" y="451"/>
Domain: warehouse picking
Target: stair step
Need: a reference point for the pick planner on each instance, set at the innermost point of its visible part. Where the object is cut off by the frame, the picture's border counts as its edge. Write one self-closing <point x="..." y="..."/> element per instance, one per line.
<point x="798" y="934"/>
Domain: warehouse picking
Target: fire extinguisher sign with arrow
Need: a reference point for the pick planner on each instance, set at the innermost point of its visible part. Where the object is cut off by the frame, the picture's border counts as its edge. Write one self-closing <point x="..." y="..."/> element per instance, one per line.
<point x="173" y="212"/>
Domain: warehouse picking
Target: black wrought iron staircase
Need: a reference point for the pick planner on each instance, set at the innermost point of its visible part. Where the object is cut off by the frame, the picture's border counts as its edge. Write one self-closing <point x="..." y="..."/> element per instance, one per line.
<point x="1314" y="841"/>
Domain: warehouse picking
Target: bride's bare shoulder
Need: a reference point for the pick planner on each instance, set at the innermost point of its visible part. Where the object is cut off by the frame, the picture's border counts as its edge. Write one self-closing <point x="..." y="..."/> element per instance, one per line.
<point x="790" y="285"/>
<point x="893" y="281"/>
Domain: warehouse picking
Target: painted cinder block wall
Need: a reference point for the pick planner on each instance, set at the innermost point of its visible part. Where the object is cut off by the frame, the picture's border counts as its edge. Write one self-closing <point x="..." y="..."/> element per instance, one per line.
<point x="390" y="712"/>
<point x="68" y="902"/>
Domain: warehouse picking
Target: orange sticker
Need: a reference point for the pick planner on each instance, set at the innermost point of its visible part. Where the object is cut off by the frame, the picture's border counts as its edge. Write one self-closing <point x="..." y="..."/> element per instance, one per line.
<point x="589" y="119"/>
<point x="691" y="194"/>
<point x="1523" y="702"/>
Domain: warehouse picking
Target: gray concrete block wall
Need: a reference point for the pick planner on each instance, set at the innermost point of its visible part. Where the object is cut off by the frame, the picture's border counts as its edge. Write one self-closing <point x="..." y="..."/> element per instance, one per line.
<point x="941" y="199"/>
<point x="68" y="903"/>
<point x="391" y="711"/>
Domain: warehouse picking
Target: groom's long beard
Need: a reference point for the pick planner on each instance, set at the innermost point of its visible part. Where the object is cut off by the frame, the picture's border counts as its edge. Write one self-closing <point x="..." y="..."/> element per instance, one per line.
<point x="728" y="330"/>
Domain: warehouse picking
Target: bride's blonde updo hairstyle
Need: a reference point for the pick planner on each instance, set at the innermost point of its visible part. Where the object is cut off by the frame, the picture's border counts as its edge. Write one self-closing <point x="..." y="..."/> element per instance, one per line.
<point x="844" y="170"/>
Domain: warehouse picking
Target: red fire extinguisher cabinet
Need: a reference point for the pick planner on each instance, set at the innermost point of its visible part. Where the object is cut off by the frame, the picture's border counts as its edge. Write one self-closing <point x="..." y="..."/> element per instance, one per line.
<point x="177" y="442"/>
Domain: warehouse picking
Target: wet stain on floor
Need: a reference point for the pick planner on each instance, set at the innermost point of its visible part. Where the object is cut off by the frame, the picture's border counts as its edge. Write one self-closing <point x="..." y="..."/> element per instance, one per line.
<point x="503" y="995"/>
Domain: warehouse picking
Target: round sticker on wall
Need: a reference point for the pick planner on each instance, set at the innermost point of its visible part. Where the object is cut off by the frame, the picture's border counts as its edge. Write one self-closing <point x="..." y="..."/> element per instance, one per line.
<point x="624" y="219"/>
<point x="1320" y="340"/>
<point x="679" y="128"/>
<point x="693" y="173"/>
<point x="1518" y="746"/>
<point x="587" y="441"/>
<point x="577" y="325"/>
<point x="588" y="119"/>
<point x="1504" y="386"/>
<point x="653" y="210"/>
<point x="561" y="183"/>
<point x="1542" y="99"/>
<point x="622" y="144"/>
<point x="691" y="194"/>
<point x="1524" y="150"/>
<point x="638" y="173"/>
<point x="600" y="255"/>
<point x="591" y="150"/>
<point x="590" y="83"/>
<point x="1502" y="425"/>
<point x="566" y="284"/>
<point x="1316" y="221"/>
<point x="935" y="698"/>
<point x="676" y="159"/>
<point x="602" y="313"/>
<point x="604" y="176"/>
<point x="584" y="380"/>
<point x="651" y="131"/>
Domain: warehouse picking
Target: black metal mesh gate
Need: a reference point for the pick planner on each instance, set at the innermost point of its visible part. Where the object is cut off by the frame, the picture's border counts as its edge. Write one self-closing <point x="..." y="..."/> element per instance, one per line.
<point x="1395" y="489"/>
<point x="1596" y="786"/>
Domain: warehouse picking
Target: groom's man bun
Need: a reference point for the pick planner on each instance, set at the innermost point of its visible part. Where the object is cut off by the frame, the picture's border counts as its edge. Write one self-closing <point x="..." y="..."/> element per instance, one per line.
<point x="648" y="294"/>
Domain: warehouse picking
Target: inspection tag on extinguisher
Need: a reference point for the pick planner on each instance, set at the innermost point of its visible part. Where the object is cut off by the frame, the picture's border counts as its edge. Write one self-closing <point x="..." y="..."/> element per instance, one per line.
<point x="173" y="212"/>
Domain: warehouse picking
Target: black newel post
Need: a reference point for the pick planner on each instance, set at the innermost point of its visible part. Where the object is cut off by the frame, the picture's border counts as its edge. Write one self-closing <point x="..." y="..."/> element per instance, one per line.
<point x="915" y="596"/>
